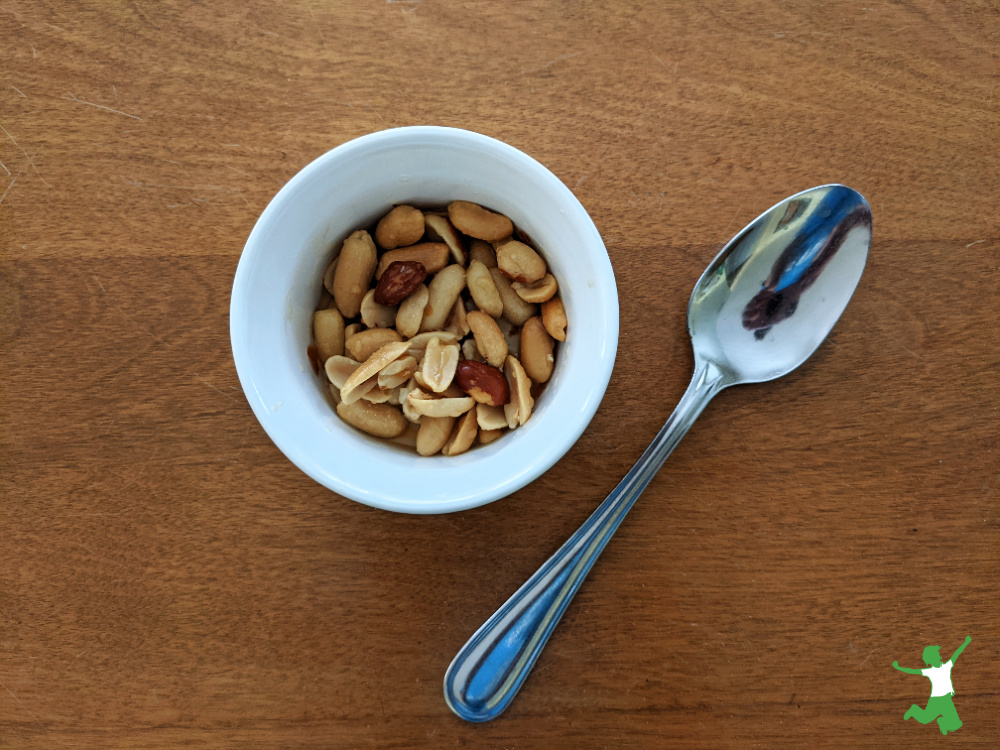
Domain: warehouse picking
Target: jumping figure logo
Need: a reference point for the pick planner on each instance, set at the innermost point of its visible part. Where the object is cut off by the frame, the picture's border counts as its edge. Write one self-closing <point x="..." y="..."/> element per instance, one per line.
<point x="939" y="705"/>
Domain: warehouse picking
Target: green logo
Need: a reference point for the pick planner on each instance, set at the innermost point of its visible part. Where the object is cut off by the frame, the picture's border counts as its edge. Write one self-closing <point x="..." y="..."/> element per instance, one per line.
<point x="939" y="705"/>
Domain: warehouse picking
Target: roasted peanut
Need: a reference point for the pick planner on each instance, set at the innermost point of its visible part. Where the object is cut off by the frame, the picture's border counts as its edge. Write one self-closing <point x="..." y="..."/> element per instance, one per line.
<point x="411" y="312"/>
<point x="358" y="258"/>
<point x="328" y="276"/>
<point x="376" y="395"/>
<point x="418" y="344"/>
<point x="476" y="221"/>
<point x="537" y="291"/>
<point x="458" y="322"/>
<point x="397" y="373"/>
<point x="536" y="351"/>
<point x="328" y="332"/>
<point x="515" y="309"/>
<point x="403" y="225"/>
<point x="483" y="252"/>
<point x="444" y="290"/>
<point x="439" y="228"/>
<point x="439" y="364"/>
<point x="489" y="339"/>
<point x="520" y="262"/>
<point x="512" y="335"/>
<point x="554" y="318"/>
<point x="483" y="290"/>
<point x="463" y="436"/>
<point x="434" y="433"/>
<point x="374" y="314"/>
<point x="490" y="417"/>
<point x="485" y="384"/>
<point x="428" y="406"/>
<point x="518" y="411"/>
<point x="371" y="367"/>
<point x="352" y="329"/>
<point x="470" y="351"/>
<point x="339" y="368"/>
<point x="379" y="420"/>
<point x="364" y="343"/>
<point x="408" y="438"/>
<point x="433" y="256"/>
<point x="488" y="436"/>
<point x="400" y="280"/>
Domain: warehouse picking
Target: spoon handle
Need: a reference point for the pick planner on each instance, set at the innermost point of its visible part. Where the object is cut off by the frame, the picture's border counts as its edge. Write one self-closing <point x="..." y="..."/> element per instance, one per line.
<point x="489" y="670"/>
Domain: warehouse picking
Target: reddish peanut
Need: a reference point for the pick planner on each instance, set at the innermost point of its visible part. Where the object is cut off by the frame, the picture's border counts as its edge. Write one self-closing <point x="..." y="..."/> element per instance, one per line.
<point x="411" y="312"/>
<point x="439" y="228"/>
<point x="537" y="291"/>
<point x="375" y="314"/>
<point x="489" y="339"/>
<point x="515" y="309"/>
<point x="476" y="221"/>
<point x="554" y="318"/>
<point x="520" y="262"/>
<point x="378" y="420"/>
<point x="483" y="290"/>
<point x="485" y="384"/>
<point x="444" y="290"/>
<point x="433" y="256"/>
<point x="400" y="279"/>
<point x="434" y="433"/>
<point x="536" y="351"/>
<point x="364" y="343"/>
<point x="358" y="258"/>
<point x="403" y="225"/>
<point x="483" y="252"/>
<point x="463" y="436"/>
<point x="328" y="331"/>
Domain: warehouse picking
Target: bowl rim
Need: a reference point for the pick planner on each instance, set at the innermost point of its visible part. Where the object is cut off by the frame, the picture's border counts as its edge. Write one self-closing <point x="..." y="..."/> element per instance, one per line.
<point x="443" y="137"/>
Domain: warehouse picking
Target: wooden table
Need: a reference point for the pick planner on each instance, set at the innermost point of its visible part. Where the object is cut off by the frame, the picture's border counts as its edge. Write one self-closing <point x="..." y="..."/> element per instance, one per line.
<point x="168" y="578"/>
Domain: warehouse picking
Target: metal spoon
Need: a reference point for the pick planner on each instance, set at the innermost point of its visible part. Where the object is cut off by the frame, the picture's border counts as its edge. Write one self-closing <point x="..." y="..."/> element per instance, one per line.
<point x="759" y="310"/>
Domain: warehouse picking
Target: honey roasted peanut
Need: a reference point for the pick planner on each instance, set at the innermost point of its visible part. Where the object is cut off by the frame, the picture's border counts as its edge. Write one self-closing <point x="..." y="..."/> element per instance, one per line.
<point x="476" y="221"/>
<point x="515" y="309"/>
<point x="520" y="262"/>
<point x="378" y="420"/>
<point x="483" y="290"/>
<point x="554" y="318"/>
<point x="358" y="258"/>
<point x="489" y="339"/>
<point x="328" y="332"/>
<point x="536" y="351"/>
<point x="463" y="436"/>
<point x="403" y="225"/>
<point x="444" y="289"/>
<point x="433" y="256"/>
<point x="364" y="343"/>
<point x="537" y="291"/>
<point x="411" y="312"/>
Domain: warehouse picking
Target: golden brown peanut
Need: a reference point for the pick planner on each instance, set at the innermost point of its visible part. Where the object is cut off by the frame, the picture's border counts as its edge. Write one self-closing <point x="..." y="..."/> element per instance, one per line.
<point x="483" y="290"/>
<point x="397" y="373"/>
<point x="439" y="228"/>
<point x="488" y="436"/>
<point x="403" y="225"/>
<point x="463" y="436"/>
<point x="426" y="405"/>
<point x="476" y="221"/>
<point x="376" y="395"/>
<point x="489" y="339"/>
<point x="458" y="322"/>
<point x="470" y="351"/>
<point x="328" y="331"/>
<point x="371" y="367"/>
<point x="483" y="252"/>
<point x="375" y="315"/>
<point x="358" y="258"/>
<point x="411" y="312"/>
<point x="515" y="309"/>
<point x="520" y="262"/>
<point x="490" y="417"/>
<point x="554" y="318"/>
<point x="440" y="361"/>
<point x="339" y="368"/>
<point x="328" y="276"/>
<point x="537" y="291"/>
<point x="379" y="420"/>
<point x="433" y="256"/>
<point x="536" y="351"/>
<point x="364" y="343"/>
<point x="444" y="290"/>
<point x="418" y="344"/>
<point x="434" y="433"/>
<point x="518" y="411"/>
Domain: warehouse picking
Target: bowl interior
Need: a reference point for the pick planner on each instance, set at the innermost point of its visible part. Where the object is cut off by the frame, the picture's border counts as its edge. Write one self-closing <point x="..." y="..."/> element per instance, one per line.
<point x="279" y="280"/>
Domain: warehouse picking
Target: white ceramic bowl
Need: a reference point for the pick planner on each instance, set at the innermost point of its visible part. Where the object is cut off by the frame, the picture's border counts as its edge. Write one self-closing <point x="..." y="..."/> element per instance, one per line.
<point x="278" y="283"/>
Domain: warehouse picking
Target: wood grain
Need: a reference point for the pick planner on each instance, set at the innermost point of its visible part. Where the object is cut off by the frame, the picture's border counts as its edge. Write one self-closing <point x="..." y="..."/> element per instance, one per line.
<point x="168" y="578"/>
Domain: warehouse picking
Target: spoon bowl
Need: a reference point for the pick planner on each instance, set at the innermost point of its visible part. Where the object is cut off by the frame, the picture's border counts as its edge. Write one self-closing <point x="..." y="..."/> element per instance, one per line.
<point x="761" y="308"/>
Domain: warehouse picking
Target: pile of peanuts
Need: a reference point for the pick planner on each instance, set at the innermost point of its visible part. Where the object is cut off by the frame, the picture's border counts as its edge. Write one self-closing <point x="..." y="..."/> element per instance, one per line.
<point x="439" y="331"/>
